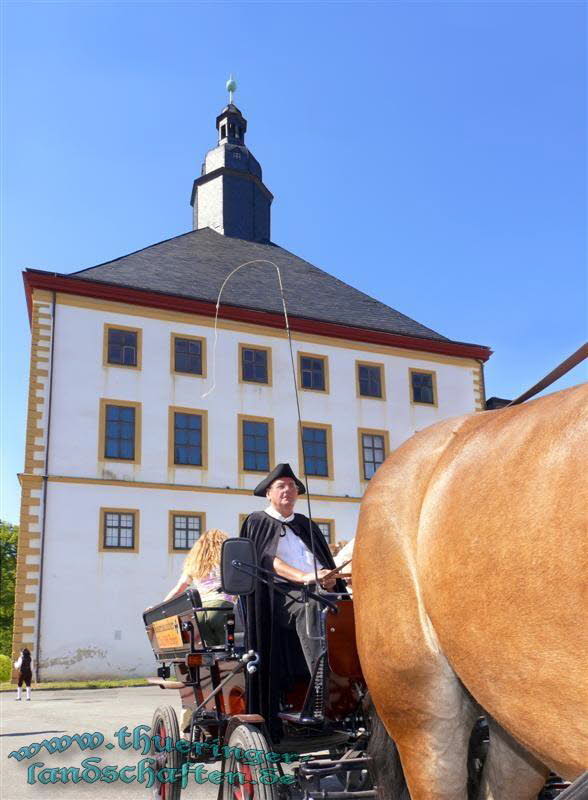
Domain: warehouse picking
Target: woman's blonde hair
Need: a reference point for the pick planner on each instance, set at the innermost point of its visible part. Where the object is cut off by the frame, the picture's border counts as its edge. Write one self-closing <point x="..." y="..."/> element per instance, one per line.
<point x="205" y="554"/>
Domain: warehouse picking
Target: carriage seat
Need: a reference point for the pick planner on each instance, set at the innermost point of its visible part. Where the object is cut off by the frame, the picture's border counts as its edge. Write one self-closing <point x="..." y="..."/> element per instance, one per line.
<point x="239" y="628"/>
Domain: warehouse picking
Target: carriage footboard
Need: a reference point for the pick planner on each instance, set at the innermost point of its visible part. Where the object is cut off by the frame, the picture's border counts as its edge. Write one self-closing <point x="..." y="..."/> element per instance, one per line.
<point x="312" y="772"/>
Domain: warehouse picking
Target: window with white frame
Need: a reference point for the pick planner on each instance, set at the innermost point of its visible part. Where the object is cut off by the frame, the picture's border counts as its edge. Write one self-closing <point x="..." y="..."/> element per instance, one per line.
<point x="119" y="530"/>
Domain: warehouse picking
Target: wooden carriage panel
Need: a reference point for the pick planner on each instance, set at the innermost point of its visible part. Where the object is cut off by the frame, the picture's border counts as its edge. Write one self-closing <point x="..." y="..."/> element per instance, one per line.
<point x="343" y="657"/>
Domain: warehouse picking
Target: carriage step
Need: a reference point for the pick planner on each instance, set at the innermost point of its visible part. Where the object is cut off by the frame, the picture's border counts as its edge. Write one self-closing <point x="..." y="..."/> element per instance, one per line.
<point x="298" y="719"/>
<point x="320" y="767"/>
<point x="310" y="744"/>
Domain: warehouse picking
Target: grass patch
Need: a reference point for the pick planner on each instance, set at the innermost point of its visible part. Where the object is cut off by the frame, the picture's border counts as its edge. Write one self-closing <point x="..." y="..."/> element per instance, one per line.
<point x="90" y="684"/>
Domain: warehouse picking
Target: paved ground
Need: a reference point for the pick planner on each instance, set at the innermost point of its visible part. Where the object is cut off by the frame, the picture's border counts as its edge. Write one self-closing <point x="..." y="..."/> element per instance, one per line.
<point x="64" y="713"/>
<point x="57" y="713"/>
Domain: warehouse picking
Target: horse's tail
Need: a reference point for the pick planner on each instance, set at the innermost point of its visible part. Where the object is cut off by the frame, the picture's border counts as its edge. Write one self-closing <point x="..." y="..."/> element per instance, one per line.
<point x="386" y="769"/>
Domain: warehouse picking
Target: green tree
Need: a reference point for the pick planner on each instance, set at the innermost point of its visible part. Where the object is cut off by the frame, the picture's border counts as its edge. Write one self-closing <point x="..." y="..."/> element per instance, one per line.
<point x="5" y="668"/>
<point x="8" y="545"/>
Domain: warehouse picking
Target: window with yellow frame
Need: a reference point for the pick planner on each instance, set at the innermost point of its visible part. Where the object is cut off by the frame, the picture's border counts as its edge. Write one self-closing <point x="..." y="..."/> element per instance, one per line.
<point x="327" y="528"/>
<point x="185" y="528"/>
<point x="122" y="346"/>
<point x="423" y="387"/>
<point x="315" y="450"/>
<point x="256" y="443"/>
<point x="188" y="437"/>
<point x="119" y="530"/>
<point x="119" y="431"/>
<point x="188" y="355"/>
<point x="255" y="364"/>
<point x="370" y="380"/>
<point x="373" y="446"/>
<point x="313" y="372"/>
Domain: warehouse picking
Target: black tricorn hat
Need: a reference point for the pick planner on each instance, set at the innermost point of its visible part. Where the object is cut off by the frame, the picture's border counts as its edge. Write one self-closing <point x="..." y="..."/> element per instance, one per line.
<point x="281" y="471"/>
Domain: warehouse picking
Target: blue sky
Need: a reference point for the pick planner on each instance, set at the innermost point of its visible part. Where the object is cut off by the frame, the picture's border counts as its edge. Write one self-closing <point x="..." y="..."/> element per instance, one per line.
<point x="431" y="154"/>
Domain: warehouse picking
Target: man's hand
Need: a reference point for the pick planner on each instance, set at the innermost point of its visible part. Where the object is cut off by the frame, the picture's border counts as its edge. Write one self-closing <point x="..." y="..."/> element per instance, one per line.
<point x="326" y="582"/>
<point x="290" y="573"/>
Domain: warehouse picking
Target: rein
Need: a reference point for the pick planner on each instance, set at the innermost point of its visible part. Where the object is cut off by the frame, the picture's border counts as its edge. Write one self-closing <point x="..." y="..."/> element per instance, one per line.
<point x="565" y="366"/>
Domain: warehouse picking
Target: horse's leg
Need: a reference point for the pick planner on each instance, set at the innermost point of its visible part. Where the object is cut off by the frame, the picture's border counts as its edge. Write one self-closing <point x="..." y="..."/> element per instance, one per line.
<point x="432" y="734"/>
<point x="434" y="755"/>
<point x="416" y="693"/>
<point x="510" y="772"/>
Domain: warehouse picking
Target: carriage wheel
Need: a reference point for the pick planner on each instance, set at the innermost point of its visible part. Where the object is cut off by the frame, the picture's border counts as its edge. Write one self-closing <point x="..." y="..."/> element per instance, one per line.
<point x="165" y="725"/>
<point x="248" y="737"/>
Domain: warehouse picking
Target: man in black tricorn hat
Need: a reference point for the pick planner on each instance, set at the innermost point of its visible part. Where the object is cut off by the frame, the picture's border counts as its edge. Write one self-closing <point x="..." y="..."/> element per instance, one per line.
<point x="284" y="542"/>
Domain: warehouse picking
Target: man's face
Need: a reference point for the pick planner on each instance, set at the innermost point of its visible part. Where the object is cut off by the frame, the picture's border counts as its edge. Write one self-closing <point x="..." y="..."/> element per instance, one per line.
<point x="283" y="494"/>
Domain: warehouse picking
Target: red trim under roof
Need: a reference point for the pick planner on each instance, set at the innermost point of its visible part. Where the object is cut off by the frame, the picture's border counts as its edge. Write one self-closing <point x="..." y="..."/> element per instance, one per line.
<point x="36" y="279"/>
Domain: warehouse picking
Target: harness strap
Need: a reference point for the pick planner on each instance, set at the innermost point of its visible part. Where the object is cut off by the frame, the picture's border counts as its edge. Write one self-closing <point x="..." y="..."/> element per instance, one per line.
<point x="565" y="366"/>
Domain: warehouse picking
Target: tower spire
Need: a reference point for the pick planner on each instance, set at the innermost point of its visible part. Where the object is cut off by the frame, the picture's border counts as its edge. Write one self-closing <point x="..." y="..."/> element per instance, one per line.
<point x="230" y="196"/>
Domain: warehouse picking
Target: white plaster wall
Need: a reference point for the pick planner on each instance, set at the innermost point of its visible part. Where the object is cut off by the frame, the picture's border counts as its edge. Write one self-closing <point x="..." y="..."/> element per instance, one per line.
<point x="89" y="596"/>
<point x="80" y="380"/>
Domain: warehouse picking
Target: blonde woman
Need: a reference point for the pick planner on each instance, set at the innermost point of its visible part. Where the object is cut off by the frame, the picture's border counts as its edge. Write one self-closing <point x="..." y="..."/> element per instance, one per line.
<point x="201" y="571"/>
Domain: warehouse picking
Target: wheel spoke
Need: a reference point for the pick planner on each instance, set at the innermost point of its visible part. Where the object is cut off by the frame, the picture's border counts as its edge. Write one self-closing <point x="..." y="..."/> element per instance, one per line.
<point x="245" y="790"/>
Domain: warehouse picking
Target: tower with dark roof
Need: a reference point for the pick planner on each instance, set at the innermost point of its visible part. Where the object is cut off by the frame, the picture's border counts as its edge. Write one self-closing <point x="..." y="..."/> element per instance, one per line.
<point x="230" y="196"/>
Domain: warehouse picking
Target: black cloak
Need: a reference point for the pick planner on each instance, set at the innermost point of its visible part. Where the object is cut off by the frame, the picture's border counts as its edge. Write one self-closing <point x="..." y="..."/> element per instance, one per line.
<point x="263" y="634"/>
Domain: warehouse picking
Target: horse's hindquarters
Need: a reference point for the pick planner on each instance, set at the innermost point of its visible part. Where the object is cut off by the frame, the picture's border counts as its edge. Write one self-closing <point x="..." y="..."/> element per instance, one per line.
<point x="472" y="545"/>
<point x="503" y="561"/>
<point x="415" y="692"/>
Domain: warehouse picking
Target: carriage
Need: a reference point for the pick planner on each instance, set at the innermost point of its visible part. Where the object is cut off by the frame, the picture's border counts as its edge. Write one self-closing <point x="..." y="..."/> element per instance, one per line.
<point x="216" y="722"/>
<point x="334" y="760"/>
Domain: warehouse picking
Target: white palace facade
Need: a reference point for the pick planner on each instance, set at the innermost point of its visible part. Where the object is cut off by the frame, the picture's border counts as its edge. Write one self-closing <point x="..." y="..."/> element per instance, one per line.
<point x="128" y="458"/>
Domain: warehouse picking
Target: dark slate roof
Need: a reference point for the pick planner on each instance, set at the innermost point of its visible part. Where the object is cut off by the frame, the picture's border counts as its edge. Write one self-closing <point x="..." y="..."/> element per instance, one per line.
<point x="493" y="403"/>
<point x="195" y="264"/>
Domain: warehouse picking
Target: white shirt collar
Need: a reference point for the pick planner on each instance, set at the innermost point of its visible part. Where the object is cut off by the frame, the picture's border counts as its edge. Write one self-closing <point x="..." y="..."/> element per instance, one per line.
<point x="276" y="514"/>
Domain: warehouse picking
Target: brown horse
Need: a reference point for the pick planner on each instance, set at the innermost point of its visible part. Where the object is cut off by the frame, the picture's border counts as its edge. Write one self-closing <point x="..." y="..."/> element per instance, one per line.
<point x="470" y="579"/>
